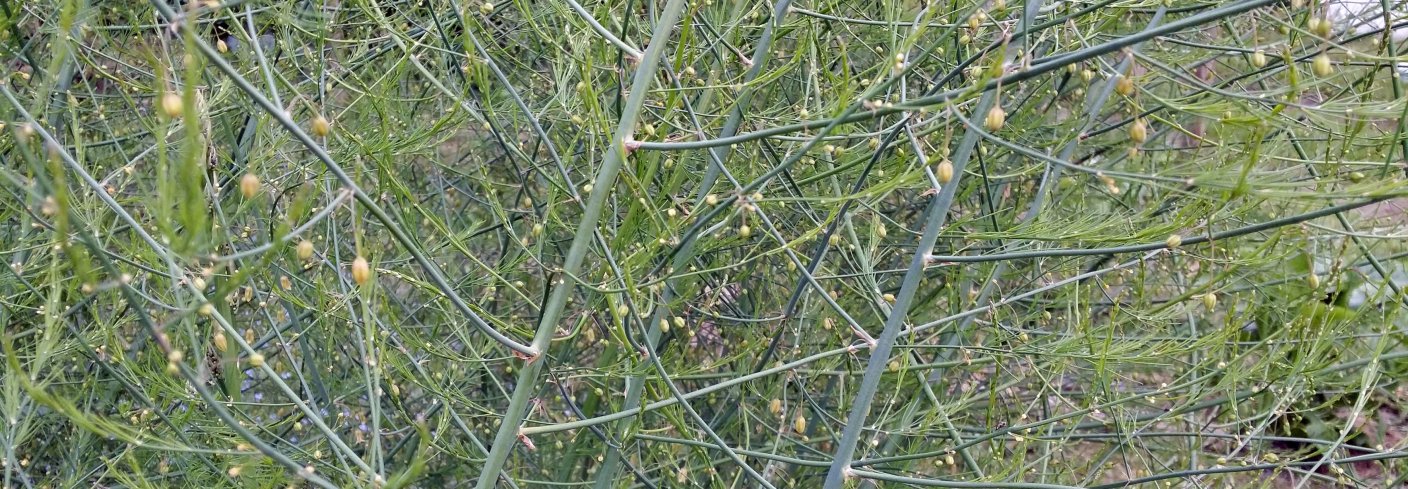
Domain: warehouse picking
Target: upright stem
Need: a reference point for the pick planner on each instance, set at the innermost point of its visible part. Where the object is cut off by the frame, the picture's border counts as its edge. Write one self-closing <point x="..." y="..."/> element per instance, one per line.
<point x="527" y="382"/>
<point x="936" y="215"/>
<point x="635" y="384"/>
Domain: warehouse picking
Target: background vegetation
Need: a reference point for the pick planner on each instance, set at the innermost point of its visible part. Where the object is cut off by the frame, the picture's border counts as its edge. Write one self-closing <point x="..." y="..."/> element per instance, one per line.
<point x="670" y="243"/>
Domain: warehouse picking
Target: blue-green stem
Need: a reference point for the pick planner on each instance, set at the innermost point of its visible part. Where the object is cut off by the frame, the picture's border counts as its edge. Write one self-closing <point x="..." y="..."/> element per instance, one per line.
<point x="526" y="385"/>
<point x="936" y="216"/>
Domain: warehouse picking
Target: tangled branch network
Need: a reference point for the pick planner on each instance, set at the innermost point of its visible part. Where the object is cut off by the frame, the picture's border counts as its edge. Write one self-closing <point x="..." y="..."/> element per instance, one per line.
<point x="699" y="243"/>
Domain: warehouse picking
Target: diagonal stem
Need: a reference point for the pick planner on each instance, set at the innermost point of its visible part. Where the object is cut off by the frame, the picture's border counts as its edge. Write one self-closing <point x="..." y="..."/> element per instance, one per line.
<point x="615" y="157"/>
<point x="936" y="215"/>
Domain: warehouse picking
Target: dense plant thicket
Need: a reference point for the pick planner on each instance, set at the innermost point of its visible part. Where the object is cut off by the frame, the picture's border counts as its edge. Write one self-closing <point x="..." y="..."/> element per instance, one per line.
<point x="703" y="243"/>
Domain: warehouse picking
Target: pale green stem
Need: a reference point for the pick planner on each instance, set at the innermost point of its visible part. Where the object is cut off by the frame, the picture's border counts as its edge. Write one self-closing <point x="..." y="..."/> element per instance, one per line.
<point x="937" y="215"/>
<point x="606" y="475"/>
<point x="526" y="385"/>
<point x="601" y="30"/>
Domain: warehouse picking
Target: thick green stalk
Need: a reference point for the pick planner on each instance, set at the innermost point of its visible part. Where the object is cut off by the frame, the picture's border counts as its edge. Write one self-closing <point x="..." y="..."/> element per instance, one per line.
<point x="1095" y="104"/>
<point x="644" y="77"/>
<point x="635" y="384"/>
<point x="880" y="354"/>
<point x="937" y="214"/>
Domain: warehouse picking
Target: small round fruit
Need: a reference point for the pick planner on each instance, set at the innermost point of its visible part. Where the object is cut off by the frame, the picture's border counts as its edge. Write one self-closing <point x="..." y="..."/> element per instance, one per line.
<point x="249" y="185"/>
<point x="1320" y="26"/>
<point x="1138" y="132"/>
<point x="1321" y="65"/>
<point x="305" y="249"/>
<point x="361" y="271"/>
<point x="1259" y="58"/>
<point x="172" y="104"/>
<point x="1124" y="85"/>
<point x="945" y="171"/>
<point x="996" y="119"/>
<point x="321" y="127"/>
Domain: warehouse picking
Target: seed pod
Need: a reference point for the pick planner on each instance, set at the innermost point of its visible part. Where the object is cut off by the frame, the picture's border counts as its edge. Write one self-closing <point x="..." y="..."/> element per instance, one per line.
<point x="800" y="424"/>
<point x="1138" y="132"/>
<point x="1259" y="58"/>
<point x="487" y="8"/>
<point x="1173" y="241"/>
<point x="321" y="127"/>
<point x="775" y="407"/>
<point x="1320" y="26"/>
<point x="172" y="104"/>
<point x="945" y="171"/>
<point x="221" y="46"/>
<point x="1314" y="281"/>
<point x="249" y="185"/>
<point x="361" y="271"/>
<point x="1210" y="300"/>
<point x="256" y="360"/>
<point x="305" y="249"/>
<point x="1321" y="65"/>
<point x="1124" y="85"/>
<point x="996" y="119"/>
<point x="220" y="342"/>
<point x="744" y="231"/>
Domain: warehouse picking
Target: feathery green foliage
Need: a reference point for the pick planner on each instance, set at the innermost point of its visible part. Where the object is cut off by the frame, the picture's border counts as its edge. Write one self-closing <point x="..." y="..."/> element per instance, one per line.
<point x="699" y="243"/>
